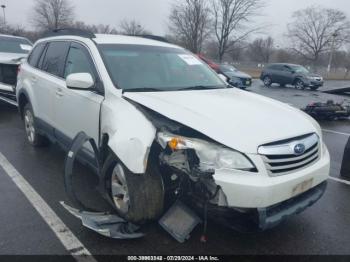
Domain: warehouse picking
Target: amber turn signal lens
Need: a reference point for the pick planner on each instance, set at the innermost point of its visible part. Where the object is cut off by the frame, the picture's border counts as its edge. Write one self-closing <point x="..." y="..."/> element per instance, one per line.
<point x="173" y="143"/>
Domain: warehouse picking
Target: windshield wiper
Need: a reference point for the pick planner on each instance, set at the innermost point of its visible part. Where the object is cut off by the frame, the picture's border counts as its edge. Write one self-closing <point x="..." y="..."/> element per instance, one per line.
<point x="199" y="87"/>
<point x="143" y="89"/>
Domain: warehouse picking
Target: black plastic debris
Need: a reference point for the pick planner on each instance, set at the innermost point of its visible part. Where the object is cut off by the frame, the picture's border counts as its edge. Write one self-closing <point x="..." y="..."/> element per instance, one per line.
<point x="108" y="225"/>
<point x="179" y="221"/>
<point x="345" y="168"/>
<point x="327" y="111"/>
<point x="339" y="91"/>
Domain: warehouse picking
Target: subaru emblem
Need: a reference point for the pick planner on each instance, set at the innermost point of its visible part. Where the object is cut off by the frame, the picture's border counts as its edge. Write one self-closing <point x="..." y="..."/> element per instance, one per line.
<point x="299" y="149"/>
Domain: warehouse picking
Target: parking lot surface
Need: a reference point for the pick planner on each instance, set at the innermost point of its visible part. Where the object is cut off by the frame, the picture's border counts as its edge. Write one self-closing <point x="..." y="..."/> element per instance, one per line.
<point x="322" y="229"/>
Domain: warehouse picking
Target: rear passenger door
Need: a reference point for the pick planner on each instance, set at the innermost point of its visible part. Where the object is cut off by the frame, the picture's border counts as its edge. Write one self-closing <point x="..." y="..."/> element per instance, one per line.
<point x="78" y="110"/>
<point x="46" y="82"/>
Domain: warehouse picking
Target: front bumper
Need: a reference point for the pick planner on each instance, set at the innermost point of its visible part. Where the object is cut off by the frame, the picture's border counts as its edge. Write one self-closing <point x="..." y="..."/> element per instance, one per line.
<point x="315" y="83"/>
<point x="252" y="220"/>
<point x="242" y="83"/>
<point x="259" y="190"/>
<point x="272" y="216"/>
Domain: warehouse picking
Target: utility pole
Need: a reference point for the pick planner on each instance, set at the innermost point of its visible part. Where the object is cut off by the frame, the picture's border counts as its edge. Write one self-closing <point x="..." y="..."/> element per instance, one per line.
<point x="3" y="10"/>
<point x="331" y="55"/>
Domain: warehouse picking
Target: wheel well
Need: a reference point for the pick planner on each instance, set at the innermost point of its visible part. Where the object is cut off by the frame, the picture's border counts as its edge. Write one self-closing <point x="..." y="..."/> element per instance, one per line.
<point x="104" y="149"/>
<point x="295" y="80"/>
<point x="22" y="101"/>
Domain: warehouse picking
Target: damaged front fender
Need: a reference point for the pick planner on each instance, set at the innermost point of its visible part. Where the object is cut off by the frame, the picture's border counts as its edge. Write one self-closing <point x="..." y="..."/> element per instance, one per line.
<point x="130" y="133"/>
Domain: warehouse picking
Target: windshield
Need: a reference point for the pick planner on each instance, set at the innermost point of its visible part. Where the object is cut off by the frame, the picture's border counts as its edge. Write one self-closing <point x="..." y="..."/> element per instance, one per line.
<point x="228" y="68"/>
<point x="14" y="45"/>
<point x="299" y="69"/>
<point x="136" y="67"/>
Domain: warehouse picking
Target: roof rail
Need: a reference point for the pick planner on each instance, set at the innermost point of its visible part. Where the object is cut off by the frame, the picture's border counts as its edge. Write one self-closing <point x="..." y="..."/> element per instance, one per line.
<point x="69" y="31"/>
<point x="155" y="37"/>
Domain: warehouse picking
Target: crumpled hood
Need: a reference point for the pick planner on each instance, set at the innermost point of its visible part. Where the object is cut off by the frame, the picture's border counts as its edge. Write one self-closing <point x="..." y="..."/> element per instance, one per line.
<point x="11" y="58"/>
<point x="235" y="118"/>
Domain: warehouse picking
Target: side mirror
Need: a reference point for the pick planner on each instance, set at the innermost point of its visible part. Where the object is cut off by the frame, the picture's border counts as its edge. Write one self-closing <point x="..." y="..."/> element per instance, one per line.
<point x="80" y="81"/>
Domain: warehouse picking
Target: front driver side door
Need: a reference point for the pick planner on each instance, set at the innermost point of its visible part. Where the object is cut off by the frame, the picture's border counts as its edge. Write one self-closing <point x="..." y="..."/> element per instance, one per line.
<point x="78" y="110"/>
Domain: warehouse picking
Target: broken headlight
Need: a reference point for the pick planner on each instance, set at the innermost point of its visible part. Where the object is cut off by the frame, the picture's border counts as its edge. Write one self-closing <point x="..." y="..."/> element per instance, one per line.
<point x="212" y="156"/>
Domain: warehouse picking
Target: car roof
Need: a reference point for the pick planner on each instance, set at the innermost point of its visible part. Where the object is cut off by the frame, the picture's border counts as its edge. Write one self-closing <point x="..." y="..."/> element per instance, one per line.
<point x="113" y="39"/>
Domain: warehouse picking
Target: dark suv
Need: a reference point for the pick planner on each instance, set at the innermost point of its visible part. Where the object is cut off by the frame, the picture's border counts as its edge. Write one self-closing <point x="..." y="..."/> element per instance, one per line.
<point x="289" y="74"/>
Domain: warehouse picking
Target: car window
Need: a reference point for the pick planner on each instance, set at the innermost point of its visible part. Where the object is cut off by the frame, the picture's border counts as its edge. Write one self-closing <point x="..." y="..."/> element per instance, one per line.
<point x="35" y="55"/>
<point x="276" y="67"/>
<point x="161" y="68"/>
<point x="78" y="61"/>
<point x="14" y="45"/>
<point x="55" y="58"/>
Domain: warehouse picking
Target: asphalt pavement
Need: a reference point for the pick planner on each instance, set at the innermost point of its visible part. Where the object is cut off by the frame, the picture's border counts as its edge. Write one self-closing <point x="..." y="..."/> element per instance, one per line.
<point x="321" y="229"/>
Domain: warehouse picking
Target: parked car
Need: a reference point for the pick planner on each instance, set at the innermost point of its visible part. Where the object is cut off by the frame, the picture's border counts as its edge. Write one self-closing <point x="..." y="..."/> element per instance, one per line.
<point x="12" y="50"/>
<point x="168" y="127"/>
<point x="212" y="64"/>
<point x="289" y="74"/>
<point x="235" y="77"/>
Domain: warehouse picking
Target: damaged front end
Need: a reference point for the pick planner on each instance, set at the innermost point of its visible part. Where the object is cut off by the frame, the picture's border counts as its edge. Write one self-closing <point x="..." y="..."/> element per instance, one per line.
<point x="191" y="163"/>
<point x="8" y="80"/>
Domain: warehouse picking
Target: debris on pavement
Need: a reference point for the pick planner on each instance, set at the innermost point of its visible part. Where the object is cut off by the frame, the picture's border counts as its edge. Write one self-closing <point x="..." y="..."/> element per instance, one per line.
<point x="328" y="110"/>
<point x="339" y="91"/>
<point x="108" y="225"/>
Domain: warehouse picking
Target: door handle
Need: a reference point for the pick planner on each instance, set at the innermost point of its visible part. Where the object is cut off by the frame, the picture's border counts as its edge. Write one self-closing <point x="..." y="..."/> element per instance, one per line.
<point x="59" y="92"/>
<point x="34" y="79"/>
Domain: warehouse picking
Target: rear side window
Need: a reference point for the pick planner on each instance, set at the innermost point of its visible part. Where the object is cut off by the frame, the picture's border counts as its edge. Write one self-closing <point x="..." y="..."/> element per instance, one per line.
<point x="276" y="67"/>
<point x="34" y="57"/>
<point x="55" y="58"/>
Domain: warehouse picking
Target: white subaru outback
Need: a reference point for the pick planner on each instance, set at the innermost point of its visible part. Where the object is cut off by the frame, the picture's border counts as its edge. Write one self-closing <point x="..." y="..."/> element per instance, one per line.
<point x="167" y="127"/>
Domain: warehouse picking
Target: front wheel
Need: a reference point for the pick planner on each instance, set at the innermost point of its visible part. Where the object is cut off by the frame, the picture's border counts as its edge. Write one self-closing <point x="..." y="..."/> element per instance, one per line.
<point x="33" y="137"/>
<point x="299" y="84"/>
<point x="267" y="81"/>
<point x="137" y="198"/>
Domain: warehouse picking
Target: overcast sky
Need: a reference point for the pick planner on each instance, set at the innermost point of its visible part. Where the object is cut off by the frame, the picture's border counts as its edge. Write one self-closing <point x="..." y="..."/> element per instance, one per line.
<point x="153" y="13"/>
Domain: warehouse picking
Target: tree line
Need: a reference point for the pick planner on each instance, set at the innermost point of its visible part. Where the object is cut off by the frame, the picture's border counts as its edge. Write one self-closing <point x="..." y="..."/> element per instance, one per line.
<point x="221" y="29"/>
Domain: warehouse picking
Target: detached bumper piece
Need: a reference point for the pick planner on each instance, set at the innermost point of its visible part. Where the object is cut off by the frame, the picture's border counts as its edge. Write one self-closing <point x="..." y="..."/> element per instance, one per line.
<point x="179" y="221"/>
<point x="105" y="224"/>
<point x="272" y="216"/>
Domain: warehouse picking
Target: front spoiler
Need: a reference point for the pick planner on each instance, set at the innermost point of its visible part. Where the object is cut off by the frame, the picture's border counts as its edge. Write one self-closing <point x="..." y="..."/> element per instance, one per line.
<point x="272" y="216"/>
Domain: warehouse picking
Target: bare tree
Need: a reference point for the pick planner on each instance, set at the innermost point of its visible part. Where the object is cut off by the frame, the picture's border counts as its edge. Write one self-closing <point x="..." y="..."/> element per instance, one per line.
<point x="316" y="30"/>
<point x="132" y="27"/>
<point x="189" y="22"/>
<point x="52" y="14"/>
<point x="261" y="49"/>
<point x="231" y="18"/>
<point x="97" y="29"/>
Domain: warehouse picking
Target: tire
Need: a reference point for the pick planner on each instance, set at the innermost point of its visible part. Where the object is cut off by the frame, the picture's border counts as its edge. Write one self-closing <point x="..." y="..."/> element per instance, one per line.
<point x="136" y="198"/>
<point x="33" y="137"/>
<point x="267" y="81"/>
<point x="299" y="84"/>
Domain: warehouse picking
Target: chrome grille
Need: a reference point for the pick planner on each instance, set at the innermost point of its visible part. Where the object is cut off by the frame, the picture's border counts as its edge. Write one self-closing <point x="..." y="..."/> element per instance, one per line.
<point x="280" y="158"/>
